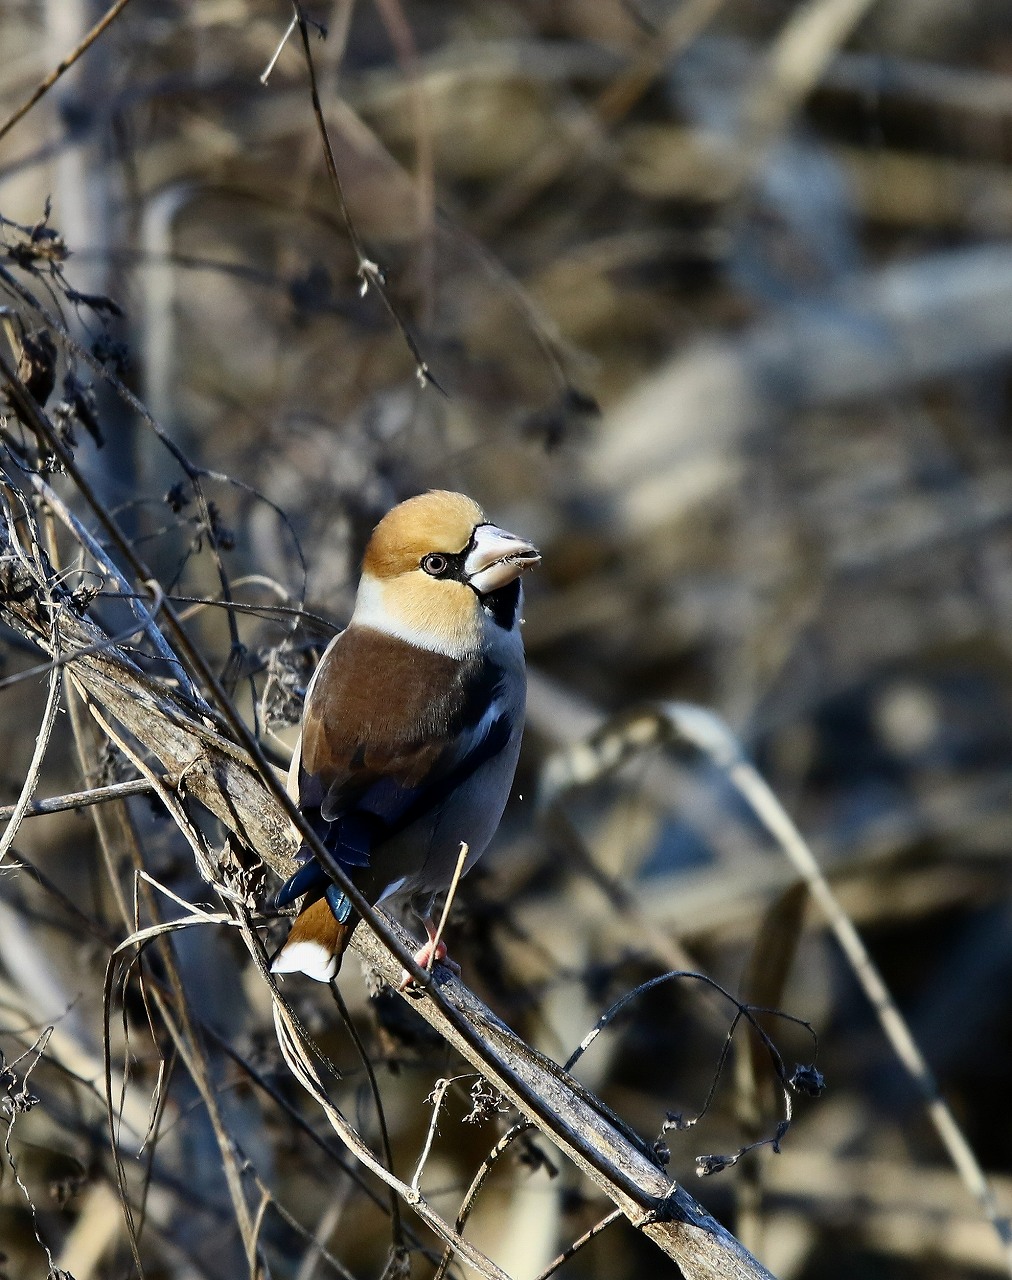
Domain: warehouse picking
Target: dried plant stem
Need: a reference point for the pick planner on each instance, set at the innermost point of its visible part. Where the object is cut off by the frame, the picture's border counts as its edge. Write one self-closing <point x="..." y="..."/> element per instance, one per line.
<point x="79" y="799"/>
<point x="265" y="75"/>
<point x="43" y="87"/>
<point x="325" y="1228"/>
<point x="608" y="1220"/>
<point x="369" y="272"/>
<point x="663" y="1210"/>
<point x="436" y="1099"/>
<point x="318" y="1250"/>
<point x="395" y="20"/>
<point x="175" y="1014"/>
<point x="297" y="1053"/>
<point x="397" y="1228"/>
<point x="451" y="893"/>
<point x="24" y="800"/>
<point x="89" y="544"/>
<point x="811" y="36"/>
<point x="485" y="1168"/>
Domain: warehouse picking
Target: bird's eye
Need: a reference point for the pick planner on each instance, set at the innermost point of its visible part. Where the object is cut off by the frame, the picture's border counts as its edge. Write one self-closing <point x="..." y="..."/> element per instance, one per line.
<point x="435" y="565"/>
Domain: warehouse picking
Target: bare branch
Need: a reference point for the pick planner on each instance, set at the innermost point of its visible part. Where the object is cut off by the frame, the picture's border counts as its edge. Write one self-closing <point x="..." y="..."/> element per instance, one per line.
<point x="608" y="1220"/>
<point x="65" y="64"/>
<point x="80" y="799"/>
<point x="24" y="800"/>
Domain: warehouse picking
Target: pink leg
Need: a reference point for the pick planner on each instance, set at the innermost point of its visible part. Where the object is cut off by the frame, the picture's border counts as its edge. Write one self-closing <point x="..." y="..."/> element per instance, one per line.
<point x="428" y="954"/>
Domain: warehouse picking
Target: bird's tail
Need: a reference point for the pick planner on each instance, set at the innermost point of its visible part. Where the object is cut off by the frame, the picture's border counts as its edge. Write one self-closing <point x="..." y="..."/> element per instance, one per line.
<point x="316" y="944"/>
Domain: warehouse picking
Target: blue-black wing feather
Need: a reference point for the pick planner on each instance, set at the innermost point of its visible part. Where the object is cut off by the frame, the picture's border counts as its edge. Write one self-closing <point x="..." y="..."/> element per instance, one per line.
<point x="366" y="790"/>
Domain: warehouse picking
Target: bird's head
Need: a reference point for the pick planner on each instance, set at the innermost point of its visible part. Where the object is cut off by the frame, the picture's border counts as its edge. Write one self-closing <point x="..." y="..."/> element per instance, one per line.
<point x="437" y="574"/>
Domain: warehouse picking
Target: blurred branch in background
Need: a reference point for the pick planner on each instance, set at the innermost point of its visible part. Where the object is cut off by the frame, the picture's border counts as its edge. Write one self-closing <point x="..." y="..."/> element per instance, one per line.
<point x="111" y="14"/>
<point x="681" y="723"/>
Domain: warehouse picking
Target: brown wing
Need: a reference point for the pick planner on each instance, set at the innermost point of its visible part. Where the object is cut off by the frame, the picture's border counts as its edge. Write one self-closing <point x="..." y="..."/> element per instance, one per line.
<point x="384" y="720"/>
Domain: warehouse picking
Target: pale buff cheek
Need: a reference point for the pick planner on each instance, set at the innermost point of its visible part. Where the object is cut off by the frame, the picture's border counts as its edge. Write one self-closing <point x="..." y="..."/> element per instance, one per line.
<point x="447" y="608"/>
<point x="440" y="616"/>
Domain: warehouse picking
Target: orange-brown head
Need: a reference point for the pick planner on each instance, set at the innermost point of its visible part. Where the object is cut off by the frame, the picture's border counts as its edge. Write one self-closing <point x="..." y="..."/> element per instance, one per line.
<point x="431" y="568"/>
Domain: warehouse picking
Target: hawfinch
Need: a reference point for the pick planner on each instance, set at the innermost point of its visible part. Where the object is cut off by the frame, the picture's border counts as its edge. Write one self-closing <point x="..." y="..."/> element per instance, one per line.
<point x="412" y="723"/>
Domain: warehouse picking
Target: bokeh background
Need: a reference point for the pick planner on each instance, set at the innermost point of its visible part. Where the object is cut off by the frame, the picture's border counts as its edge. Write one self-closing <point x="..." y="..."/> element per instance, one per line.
<point x="718" y="301"/>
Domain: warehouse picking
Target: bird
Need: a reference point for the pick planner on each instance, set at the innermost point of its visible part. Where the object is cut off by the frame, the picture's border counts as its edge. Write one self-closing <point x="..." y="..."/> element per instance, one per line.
<point x="412" y="724"/>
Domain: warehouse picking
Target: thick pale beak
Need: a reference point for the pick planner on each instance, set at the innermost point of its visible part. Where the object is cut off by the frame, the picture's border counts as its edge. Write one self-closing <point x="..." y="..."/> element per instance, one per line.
<point x="496" y="558"/>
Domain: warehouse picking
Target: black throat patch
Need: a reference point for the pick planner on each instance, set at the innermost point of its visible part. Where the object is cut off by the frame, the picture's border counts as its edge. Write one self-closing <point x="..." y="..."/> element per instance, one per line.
<point x="502" y="605"/>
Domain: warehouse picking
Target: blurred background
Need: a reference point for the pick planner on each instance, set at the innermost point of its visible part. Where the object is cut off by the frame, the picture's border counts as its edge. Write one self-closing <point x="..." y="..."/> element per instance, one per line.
<point x="716" y="296"/>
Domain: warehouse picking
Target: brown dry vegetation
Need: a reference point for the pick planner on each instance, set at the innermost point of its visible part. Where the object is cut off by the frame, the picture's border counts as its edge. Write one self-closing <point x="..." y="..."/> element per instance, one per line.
<point x="715" y="297"/>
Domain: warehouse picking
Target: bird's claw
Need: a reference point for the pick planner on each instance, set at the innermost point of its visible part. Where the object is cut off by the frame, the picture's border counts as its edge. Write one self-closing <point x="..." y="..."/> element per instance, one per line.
<point x="425" y="957"/>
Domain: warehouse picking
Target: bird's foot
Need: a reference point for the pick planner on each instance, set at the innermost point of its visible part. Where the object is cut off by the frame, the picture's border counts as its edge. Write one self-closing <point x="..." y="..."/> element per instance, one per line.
<point x="430" y="953"/>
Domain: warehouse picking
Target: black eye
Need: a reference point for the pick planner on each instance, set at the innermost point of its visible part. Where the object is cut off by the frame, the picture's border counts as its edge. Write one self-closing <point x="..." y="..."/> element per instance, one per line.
<point x="435" y="564"/>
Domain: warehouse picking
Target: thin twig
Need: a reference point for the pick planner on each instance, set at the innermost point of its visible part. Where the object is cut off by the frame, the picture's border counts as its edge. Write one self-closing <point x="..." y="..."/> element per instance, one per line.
<point x="295" y="1054"/>
<point x="369" y="272"/>
<point x="268" y="1199"/>
<point x="31" y="779"/>
<point x="42" y="739"/>
<point x="191" y="470"/>
<point x="57" y="664"/>
<point x="110" y="15"/>
<point x="401" y="36"/>
<point x="292" y="1116"/>
<point x="18" y="1102"/>
<point x="176" y="1019"/>
<point x="754" y="788"/>
<point x="265" y="75"/>
<point x="608" y="1220"/>
<point x="674" y="1221"/>
<point x="293" y="1039"/>
<point x="458" y="871"/>
<point x="332" y="1213"/>
<point x="396" y="1225"/>
<point x="484" y="1169"/>
<point x="298" y="1121"/>
<point x="810" y="37"/>
<point x="111" y="571"/>
<point x="436" y="1099"/>
<point x="80" y="799"/>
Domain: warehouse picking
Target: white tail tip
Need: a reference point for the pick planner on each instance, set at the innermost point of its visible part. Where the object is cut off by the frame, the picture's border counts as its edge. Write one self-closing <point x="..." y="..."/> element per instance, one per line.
<point x="306" y="957"/>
